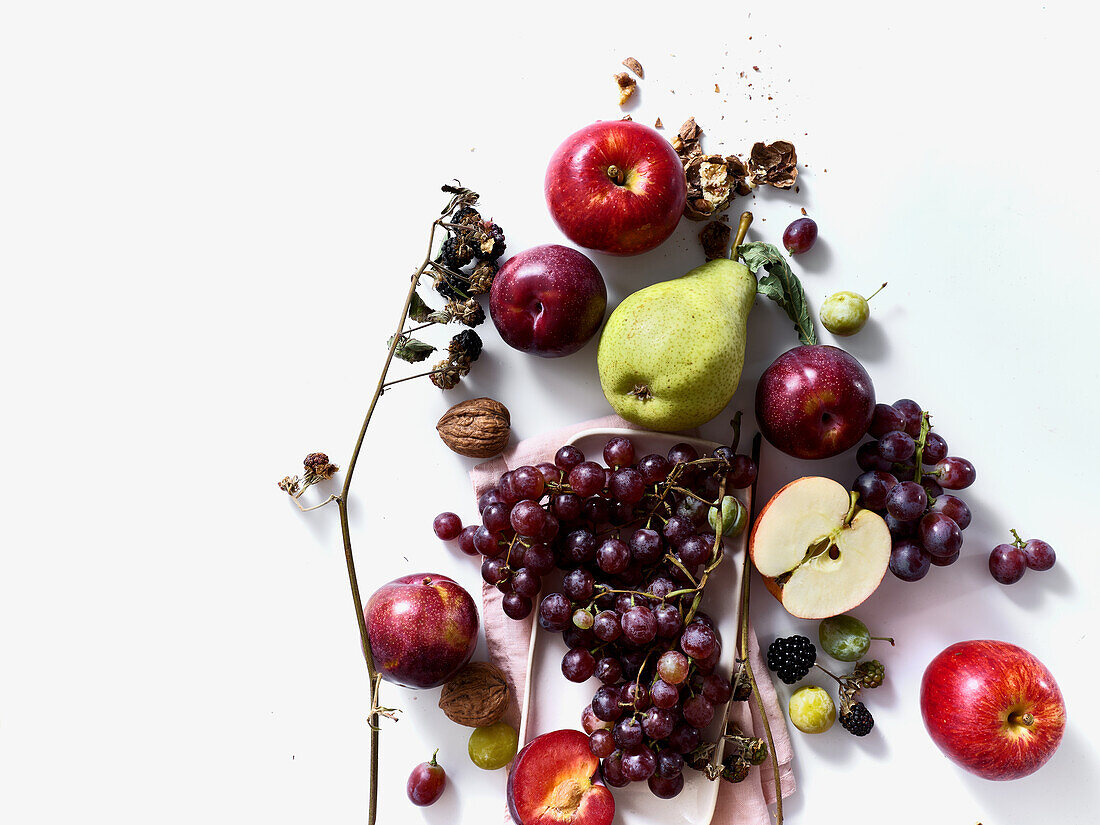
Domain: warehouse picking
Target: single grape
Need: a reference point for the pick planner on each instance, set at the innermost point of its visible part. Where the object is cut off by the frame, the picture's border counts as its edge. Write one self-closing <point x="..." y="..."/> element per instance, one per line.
<point x="493" y="746"/>
<point x="669" y="620"/>
<point x="672" y="667"/>
<point x="426" y="782"/>
<point x="695" y="550"/>
<point x="706" y="666"/>
<point x="663" y="695"/>
<point x="516" y="606"/>
<point x="939" y="535"/>
<point x="621" y="513"/>
<point x="935" y="449"/>
<point x="528" y="482"/>
<point x="618" y="452"/>
<point x="605" y="704"/>
<point x="466" y="539"/>
<point x="612" y="770"/>
<point x="590" y="722"/>
<point x="627" y="485"/>
<point x="596" y="510"/>
<point x="901" y="529"/>
<point x="494" y="571"/>
<point x="555" y="611"/>
<point x="639" y="763"/>
<point x="911" y="411"/>
<point x="669" y="763"/>
<point x="567" y="506"/>
<point x="698" y="712"/>
<point x="496" y="517"/>
<point x="698" y="641"/>
<point x="538" y="558"/>
<point x="528" y="518"/>
<point x="660" y="587"/>
<point x="954" y="508"/>
<point x="868" y="459"/>
<point x="1039" y="554"/>
<point x="654" y="468"/>
<point x="573" y="636"/>
<point x="873" y="487"/>
<point x="945" y="561"/>
<point x="550" y="527"/>
<point x="716" y="689"/>
<point x="581" y="546"/>
<point x="657" y="723"/>
<point x="799" y="236"/>
<point x="587" y="479"/>
<point x="627" y="732"/>
<point x="907" y="501"/>
<point x="635" y="695"/>
<point x="811" y="709"/>
<point x="742" y="473"/>
<point x="954" y="473"/>
<point x="551" y="473"/>
<point x="490" y="496"/>
<point x="568" y="457"/>
<point x="487" y="542"/>
<point x="608" y="670"/>
<point x="682" y="453"/>
<point x="526" y="583"/>
<point x="613" y="556"/>
<point x="1007" y="563"/>
<point x="684" y="739"/>
<point x="896" y="446"/>
<point x="639" y="625"/>
<point x="508" y="492"/>
<point x="601" y="743"/>
<point x="582" y="619"/>
<point x="579" y="585"/>
<point x="606" y="626"/>
<point x="731" y="517"/>
<point x="447" y="526"/>
<point x="846" y="638"/>
<point x="645" y="547"/>
<point x="678" y="529"/>
<point x="578" y="665"/>
<point x="908" y="561"/>
<point x="885" y="419"/>
<point x="665" y="787"/>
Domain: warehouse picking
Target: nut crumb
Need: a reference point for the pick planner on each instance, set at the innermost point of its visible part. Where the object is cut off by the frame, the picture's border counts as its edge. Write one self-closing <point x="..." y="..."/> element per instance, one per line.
<point x="635" y="67"/>
<point x="756" y="68"/>
<point x="715" y="237"/>
<point x="626" y="117"/>
<point x="658" y="124"/>
<point x="627" y="86"/>
<point x="716" y="89"/>
<point x="803" y="210"/>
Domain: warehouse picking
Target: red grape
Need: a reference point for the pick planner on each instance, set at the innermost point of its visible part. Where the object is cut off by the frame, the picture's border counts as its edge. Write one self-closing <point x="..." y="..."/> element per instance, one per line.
<point x="619" y="452"/>
<point x="799" y="237"/>
<point x="587" y="478"/>
<point x="1039" y="554"/>
<point x="568" y="457"/>
<point x="466" y="539"/>
<point x="954" y="473"/>
<point x="1007" y="563"/>
<point x="908" y="561"/>
<point x="885" y="419"/>
<point x="426" y="783"/>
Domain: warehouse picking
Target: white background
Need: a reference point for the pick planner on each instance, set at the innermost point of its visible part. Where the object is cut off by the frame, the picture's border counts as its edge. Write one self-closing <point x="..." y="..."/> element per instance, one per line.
<point x="208" y="215"/>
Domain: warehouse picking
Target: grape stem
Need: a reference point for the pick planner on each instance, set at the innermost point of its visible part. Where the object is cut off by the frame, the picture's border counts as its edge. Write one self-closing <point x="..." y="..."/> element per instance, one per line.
<point x="925" y="426"/>
<point x="1018" y="542"/>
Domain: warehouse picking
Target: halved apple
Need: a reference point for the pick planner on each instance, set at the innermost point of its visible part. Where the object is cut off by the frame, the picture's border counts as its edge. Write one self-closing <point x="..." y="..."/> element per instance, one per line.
<point x="819" y="554"/>
<point x="555" y="781"/>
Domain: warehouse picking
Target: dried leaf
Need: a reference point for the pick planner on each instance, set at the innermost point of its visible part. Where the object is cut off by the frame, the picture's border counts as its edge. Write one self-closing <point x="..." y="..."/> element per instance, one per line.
<point x="781" y="285"/>
<point x="418" y="310"/>
<point x="634" y="66"/>
<point x="410" y="349"/>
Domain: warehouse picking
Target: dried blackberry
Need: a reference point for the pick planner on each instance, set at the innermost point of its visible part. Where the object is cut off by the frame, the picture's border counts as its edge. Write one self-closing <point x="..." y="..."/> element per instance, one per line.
<point x="490" y="242"/>
<point x="481" y="279"/>
<point x="443" y="286"/>
<point x="856" y="719"/>
<point x="456" y="252"/>
<point x="466" y="343"/>
<point x="791" y="658"/>
<point x="466" y="216"/>
<point x="735" y="769"/>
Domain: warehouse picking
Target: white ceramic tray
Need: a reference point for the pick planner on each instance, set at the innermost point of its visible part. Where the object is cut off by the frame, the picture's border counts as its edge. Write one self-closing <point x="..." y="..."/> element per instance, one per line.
<point x="550" y="702"/>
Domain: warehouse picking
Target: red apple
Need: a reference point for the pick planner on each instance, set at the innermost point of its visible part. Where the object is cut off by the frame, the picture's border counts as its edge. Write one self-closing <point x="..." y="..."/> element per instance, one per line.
<point x="992" y="708"/>
<point x="617" y="187"/>
<point x="548" y="300"/>
<point x="814" y="401"/>
<point x="554" y="781"/>
<point x="422" y="629"/>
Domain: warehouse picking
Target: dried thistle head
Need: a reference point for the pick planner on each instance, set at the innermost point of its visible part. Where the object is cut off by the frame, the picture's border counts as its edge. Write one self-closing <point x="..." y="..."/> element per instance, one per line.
<point x="468" y="312"/>
<point x="447" y="373"/>
<point x="290" y="485"/>
<point x="318" y="467"/>
<point x="481" y="279"/>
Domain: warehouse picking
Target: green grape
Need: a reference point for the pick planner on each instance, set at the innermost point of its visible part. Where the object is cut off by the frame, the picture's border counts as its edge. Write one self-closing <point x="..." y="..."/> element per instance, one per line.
<point x="734" y="517"/>
<point x="846" y="638"/>
<point x="493" y="746"/>
<point x="811" y="709"/>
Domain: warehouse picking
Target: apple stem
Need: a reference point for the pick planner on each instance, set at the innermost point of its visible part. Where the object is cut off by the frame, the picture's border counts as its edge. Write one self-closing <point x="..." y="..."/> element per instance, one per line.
<point x="1025" y="719"/>
<point x="616" y="175"/>
<point x="876" y="292"/>
<point x="742" y="231"/>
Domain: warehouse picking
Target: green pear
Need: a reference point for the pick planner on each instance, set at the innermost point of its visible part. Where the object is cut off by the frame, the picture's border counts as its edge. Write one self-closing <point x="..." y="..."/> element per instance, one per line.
<point x="671" y="354"/>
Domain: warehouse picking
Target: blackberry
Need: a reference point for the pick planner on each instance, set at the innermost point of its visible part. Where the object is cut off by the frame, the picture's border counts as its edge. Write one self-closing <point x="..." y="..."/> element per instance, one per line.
<point x="791" y="658"/>
<point x="443" y="286"/>
<point x="870" y="674"/>
<point x="456" y="252"/>
<point x="467" y="343"/>
<point x="466" y="216"/>
<point x="489" y="244"/>
<point x="857" y="720"/>
<point x="735" y="769"/>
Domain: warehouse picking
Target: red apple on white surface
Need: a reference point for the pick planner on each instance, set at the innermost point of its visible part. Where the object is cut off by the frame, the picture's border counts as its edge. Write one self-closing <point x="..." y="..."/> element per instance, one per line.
<point x="548" y="300"/>
<point x="814" y="402"/>
<point x="554" y="781"/>
<point x="819" y="555"/>
<point x="992" y="708"/>
<point x="422" y="629"/>
<point x="617" y="187"/>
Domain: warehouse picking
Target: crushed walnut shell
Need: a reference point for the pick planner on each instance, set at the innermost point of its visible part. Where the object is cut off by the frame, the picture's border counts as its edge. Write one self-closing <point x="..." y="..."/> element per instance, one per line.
<point x="658" y="124"/>
<point x="713" y="181"/>
<point x="774" y="164"/>
<point x="635" y="67"/>
<point x="627" y="86"/>
<point x="715" y="237"/>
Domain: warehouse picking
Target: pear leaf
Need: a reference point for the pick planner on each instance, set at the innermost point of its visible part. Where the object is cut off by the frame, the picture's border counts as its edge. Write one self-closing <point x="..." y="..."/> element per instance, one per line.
<point x="781" y="285"/>
<point x="410" y="349"/>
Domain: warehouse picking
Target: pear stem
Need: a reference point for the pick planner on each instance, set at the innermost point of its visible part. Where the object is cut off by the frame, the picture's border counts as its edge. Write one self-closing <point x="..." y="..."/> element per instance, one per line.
<point x="876" y="292"/>
<point x="742" y="231"/>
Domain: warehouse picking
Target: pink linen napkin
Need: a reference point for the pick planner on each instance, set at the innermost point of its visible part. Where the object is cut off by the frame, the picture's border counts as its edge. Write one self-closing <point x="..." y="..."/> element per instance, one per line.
<point x="744" y="803"/>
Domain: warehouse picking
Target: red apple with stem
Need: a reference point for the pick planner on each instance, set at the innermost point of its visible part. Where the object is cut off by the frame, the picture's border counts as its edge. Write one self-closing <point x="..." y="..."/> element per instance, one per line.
<point x="548" y="300"/>
<point x="992" y="708"/>
<point x="617" y="187"/>
<point x="814" y="401"/>
<point x="422" y="629"/>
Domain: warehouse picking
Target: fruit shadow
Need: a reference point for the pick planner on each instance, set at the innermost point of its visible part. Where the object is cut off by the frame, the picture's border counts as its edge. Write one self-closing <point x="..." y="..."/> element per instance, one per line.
<point x="1070" y="774"/>
<point x="869" y="345"/>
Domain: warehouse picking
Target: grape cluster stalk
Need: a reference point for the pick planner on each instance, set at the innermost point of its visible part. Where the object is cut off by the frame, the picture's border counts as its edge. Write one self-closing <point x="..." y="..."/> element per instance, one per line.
<point x="636" y="540"/>
<point x="906" y="473"/>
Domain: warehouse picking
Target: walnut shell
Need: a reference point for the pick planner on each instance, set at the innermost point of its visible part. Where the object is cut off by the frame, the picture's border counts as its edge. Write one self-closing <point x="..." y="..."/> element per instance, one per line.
<point x="477" y="696"/>
<point x="478" y="428"/>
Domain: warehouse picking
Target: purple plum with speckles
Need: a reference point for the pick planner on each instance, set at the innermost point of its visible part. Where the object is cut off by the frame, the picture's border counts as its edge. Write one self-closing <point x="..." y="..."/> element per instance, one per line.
<point x="422" y="629"/>
<point x="814" y="402"/>
<point x="548" y="300"/>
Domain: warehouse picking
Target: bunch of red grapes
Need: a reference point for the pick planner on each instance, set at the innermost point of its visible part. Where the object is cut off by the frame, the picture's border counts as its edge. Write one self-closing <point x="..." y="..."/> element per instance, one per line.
<point x="635" y="543"/>
<point x="906" y="471"/>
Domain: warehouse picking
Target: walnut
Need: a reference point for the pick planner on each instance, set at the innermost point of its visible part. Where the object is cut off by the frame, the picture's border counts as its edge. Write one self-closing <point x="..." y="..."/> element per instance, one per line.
<point x="627" y="85"/>
<point x="476" y="696"/>
<point x="478" y="428"/>
<point x="634" y="66"/>
<point x="775" y="164"/>
<point x="713" y="181"/>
